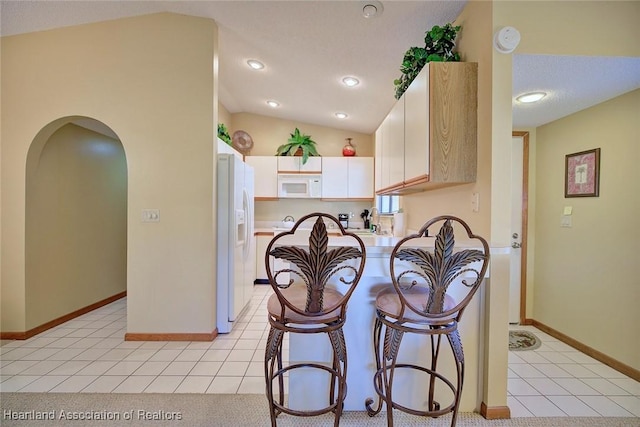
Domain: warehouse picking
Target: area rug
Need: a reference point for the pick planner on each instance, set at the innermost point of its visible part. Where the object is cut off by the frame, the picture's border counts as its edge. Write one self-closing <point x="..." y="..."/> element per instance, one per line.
<point x="523" y="340"/>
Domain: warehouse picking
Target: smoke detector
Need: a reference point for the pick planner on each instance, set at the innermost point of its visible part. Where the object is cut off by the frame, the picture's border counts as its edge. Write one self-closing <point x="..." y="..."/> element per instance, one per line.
<point x="506" y="39"/>
<point x="372" y="9"/>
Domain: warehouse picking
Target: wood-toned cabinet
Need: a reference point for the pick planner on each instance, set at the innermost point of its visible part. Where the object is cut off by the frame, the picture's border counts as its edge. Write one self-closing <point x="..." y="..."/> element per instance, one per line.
<point x="439" y="131"/>
<point x="347" y="178"/>
<point x="266" y="176"/>
<point x="293" y="164"/>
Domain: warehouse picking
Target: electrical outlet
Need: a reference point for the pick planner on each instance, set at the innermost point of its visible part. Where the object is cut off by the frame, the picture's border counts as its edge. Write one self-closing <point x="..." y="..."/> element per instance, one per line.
<point x="151" y="215"/>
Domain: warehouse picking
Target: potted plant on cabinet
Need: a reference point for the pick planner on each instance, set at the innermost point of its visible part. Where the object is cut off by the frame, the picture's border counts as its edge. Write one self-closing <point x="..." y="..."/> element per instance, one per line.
<point x="439" y="45"/>
<point x="223" y="133"/>
<point x="298" y="144"/>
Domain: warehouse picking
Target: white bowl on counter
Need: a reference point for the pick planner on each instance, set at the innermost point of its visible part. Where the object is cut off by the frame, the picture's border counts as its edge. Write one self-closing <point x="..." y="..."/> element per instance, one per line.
<point x="287" y="225"/>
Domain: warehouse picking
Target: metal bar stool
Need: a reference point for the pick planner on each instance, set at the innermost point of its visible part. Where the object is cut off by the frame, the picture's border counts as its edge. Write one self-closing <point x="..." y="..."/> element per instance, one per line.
<point x="312" y="283"/>
<point x="430" y="291"/>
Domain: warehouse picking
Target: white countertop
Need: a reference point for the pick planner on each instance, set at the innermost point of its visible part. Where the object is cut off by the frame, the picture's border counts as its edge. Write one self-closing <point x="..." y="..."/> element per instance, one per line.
<point x="374" y="244"/>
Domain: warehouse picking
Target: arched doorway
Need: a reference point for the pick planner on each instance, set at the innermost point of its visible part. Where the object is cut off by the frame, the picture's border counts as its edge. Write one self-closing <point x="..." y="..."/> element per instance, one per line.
<point x="76" y="219"/>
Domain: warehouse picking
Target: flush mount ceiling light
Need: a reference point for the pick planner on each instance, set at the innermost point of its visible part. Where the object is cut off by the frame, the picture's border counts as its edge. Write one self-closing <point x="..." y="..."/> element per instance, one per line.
<point x="527" y="98"/>
<point x="341" y="115"/>
<point x="273" y="104"/>
<point x="255" y="64"/>
<point x="350" y="81"/>
<point x="372" y="9"/>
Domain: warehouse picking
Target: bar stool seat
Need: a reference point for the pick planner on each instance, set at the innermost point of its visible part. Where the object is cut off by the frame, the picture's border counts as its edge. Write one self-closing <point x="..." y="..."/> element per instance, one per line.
<point x="388" y="303"/>
<point x="297" y="296"/>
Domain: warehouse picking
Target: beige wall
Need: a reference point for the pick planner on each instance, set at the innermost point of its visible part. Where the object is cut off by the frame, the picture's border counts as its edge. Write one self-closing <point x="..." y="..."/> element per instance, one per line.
<point x="76" y="224"/>
<point x="542" y="25"/>
<point x="568" y="27"/>
<point x="224" y="117"/>
<point x="268" y="133"/>
<point x="586" y="276"/>
<point x="151" y="80"/>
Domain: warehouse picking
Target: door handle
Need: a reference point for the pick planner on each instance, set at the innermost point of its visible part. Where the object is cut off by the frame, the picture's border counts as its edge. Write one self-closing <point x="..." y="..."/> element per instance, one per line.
<point x="516" y="245"/>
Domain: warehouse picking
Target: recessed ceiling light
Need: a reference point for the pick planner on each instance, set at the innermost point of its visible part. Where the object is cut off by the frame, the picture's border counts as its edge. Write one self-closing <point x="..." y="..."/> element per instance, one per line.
<point x="273" y="104"/>
<point x="256" y="65"/>
<point x="531" y="97"/>
<point x="350" y="81"/>
<point x="341" y="115"/>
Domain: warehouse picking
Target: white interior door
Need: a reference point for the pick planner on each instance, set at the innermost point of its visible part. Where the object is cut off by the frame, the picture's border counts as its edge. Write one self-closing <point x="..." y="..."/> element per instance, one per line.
<point x="517" y="154"/>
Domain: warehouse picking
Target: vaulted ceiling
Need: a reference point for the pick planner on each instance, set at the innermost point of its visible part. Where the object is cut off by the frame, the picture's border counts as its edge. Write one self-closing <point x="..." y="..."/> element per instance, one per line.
<point x="307" y="47"/>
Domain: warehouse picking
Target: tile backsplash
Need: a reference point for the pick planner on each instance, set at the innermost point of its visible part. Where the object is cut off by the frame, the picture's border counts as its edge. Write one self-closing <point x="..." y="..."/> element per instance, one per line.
<point x="276" y="210"/>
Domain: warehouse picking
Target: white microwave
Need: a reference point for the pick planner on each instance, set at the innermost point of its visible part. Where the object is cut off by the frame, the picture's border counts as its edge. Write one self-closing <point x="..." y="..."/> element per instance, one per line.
<point x="300" y="186"/>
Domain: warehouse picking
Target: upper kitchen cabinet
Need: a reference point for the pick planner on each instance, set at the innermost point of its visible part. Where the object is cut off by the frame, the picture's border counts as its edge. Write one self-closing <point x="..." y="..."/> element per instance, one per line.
<point x="293" y="164"/>
<point x="378" y="158"/>
<point x="393" y="150"/>
<point x="439" y="145"/>
<point x="360" y="182"/>
<point x="347" y="178"/>
<point x="266" y="176"/>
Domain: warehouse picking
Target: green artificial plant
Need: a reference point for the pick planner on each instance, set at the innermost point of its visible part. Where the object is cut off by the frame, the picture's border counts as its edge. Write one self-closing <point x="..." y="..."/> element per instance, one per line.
<point x="301" y="142"/>
<point x="223" y="133"/>
<point x="439" y="45"/>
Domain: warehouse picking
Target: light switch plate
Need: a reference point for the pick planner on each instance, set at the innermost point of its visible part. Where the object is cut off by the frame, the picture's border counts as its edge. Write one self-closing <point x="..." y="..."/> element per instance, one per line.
<point x="475" y="202"/>
<point x="566" y="221"/>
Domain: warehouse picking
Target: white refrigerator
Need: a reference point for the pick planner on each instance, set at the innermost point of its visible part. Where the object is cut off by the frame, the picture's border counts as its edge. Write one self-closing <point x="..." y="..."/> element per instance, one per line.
<point x="236" y="241"/>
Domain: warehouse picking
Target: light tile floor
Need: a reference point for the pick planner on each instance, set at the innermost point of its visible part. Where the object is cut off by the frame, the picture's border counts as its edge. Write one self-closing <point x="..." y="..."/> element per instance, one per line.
<point x="88" y="355"/>
<point x="556" y="380"/>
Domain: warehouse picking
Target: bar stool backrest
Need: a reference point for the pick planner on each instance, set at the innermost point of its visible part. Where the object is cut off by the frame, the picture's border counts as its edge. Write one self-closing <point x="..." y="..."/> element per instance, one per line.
<point x="315" y="263"/>
<point x="427" y="266"/>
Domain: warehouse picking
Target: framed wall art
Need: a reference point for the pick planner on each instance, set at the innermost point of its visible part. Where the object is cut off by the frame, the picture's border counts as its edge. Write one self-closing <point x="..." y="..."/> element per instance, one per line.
<point x="582" y="174"/>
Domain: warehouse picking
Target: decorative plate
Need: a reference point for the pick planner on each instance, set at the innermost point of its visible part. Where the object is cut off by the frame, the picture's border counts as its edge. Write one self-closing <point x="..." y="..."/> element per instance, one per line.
<point x="242" y="141"/>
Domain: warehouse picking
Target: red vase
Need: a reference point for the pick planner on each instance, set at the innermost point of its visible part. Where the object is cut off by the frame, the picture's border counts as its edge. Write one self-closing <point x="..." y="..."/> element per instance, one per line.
<point x="349" y="150"/>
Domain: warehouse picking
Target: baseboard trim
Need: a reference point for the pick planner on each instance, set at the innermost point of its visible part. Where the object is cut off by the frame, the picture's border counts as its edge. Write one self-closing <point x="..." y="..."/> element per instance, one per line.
<point x="528" y="322"/>
<point x="130" y="336"/>
<point x="495" y="412"/>
<point x="60" y="320"/>
<point x="607" y="360"/>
